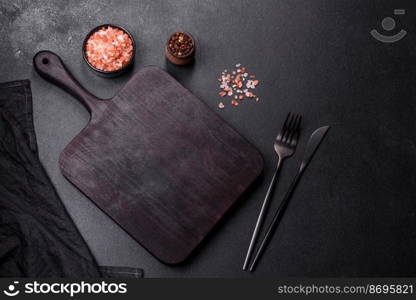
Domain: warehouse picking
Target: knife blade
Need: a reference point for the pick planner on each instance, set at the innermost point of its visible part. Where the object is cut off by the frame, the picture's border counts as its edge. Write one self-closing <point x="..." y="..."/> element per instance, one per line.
<point x="314" y="141"/>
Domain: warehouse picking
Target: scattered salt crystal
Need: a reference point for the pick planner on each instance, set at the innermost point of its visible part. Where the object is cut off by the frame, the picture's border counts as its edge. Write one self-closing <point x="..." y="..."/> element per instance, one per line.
<point x="231" y="85"/>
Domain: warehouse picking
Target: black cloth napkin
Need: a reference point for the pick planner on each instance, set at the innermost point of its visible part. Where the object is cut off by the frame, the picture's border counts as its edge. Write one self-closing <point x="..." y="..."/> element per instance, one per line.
<point x="37" y="236"/>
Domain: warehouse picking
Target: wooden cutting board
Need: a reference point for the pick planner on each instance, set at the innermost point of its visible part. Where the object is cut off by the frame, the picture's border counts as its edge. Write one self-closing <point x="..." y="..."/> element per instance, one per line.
<point x="155" y="158"/>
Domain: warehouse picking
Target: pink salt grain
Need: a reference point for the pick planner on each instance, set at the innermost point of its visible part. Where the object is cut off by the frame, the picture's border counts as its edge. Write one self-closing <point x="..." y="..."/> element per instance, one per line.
<point x="236" y="84"/>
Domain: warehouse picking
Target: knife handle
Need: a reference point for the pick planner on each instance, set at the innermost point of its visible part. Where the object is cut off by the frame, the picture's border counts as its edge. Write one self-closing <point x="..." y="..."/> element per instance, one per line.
<point x="50" y="67"/>
<point x="276" y="220"/>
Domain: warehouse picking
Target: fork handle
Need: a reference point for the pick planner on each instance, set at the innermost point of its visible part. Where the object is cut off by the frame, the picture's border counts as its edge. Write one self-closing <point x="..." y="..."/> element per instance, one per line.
<point x="276" y="219"/>
<point x="262" y="214"/>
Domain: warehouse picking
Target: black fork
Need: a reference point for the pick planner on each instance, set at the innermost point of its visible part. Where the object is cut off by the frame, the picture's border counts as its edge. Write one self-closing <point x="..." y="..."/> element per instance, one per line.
<point x="284" y="145"/>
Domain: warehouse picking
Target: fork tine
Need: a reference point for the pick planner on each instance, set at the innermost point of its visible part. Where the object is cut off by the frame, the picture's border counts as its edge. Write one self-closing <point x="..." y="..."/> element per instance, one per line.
<point x="289" y="129"/>
<point x="282" y="131"/>
<point x="296" y="128"/>
<point x="292" y="129"/>
<point x="295" y="137"/>
<point x="287" y="119"/>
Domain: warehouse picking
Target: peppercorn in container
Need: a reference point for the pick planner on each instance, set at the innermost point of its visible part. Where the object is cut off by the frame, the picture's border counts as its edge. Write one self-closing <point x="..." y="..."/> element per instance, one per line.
<point x="180" y="48"/>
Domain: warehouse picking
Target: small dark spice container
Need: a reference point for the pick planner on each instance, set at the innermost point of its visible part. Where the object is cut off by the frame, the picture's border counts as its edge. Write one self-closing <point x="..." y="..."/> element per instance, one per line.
<point x="123" y="38"/>
<point x="180" y="48"/>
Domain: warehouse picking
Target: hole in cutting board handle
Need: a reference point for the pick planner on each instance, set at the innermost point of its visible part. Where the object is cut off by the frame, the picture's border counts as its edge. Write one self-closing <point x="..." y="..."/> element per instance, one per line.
<point x="50" y="66"/>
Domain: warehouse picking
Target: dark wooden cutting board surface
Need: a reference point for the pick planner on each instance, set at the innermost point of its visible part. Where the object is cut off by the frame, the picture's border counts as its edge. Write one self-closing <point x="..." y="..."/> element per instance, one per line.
<point x="155" y="158"/>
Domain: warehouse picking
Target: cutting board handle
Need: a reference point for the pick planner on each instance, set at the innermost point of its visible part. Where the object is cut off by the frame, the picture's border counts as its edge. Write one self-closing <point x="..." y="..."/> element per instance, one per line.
<point x="50" y="66"/>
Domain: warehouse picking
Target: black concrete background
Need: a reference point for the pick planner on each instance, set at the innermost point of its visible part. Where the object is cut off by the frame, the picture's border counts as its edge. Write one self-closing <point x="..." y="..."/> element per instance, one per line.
<point x="353" y="214"/>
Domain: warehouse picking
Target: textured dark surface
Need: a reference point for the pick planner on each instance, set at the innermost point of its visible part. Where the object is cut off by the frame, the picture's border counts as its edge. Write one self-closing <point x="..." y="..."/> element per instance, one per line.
<point x="353" y="213"/>
<point x="156" y="159"/>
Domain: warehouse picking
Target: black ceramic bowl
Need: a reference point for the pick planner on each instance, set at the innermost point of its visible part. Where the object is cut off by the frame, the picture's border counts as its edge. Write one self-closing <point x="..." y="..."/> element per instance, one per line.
<point x="115" y="72"/>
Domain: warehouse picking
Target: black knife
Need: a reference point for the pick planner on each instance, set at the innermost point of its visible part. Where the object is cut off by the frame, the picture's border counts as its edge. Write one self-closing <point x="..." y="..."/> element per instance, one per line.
<point x="313" y="144"/>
